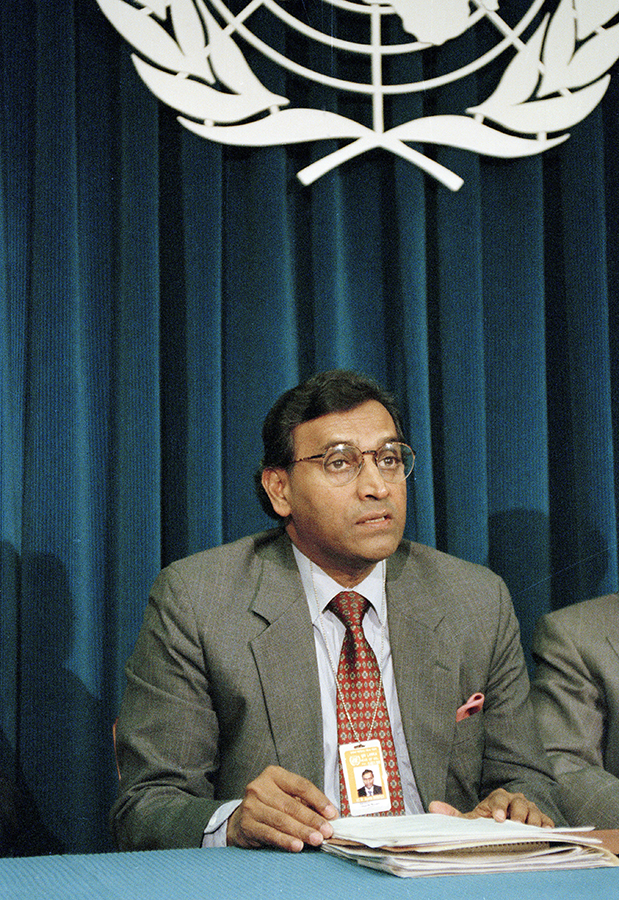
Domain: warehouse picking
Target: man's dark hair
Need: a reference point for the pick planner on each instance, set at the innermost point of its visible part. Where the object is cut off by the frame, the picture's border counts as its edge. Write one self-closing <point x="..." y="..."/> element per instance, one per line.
<point x="338" y="390"/>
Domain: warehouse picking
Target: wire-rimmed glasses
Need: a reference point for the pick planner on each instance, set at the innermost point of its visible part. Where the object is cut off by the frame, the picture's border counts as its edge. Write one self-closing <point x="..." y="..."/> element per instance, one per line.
<point x="342" y="463"/>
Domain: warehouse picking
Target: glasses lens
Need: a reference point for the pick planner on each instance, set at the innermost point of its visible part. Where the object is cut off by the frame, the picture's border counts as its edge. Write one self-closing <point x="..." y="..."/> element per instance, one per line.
<point x="342" y="463"/>
<point x="395" y="461"/>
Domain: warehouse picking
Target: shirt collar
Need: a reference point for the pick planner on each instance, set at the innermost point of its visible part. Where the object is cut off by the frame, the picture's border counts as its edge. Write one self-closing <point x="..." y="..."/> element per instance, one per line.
<point x="321" y="588"/>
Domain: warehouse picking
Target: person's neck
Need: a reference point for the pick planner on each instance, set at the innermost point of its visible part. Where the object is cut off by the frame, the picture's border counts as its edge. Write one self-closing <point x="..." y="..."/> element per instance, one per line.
<point x="349" y="581"/>
<point x="348" y="578"/>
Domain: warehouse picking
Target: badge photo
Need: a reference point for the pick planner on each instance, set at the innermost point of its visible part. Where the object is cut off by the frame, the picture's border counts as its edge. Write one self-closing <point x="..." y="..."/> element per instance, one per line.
<point x="365" y="778"/>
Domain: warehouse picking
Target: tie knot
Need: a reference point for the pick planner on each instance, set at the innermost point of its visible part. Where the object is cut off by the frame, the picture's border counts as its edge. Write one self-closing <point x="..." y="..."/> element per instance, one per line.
<point x="350" y="607"/>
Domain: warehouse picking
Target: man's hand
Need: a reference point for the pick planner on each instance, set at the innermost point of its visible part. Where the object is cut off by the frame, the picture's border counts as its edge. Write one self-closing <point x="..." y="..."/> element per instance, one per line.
<point x="499" y="805"/>
<point x="281" y="810"/>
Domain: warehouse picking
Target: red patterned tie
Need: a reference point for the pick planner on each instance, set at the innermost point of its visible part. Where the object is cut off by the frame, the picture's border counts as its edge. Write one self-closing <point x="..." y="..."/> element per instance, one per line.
<point x="361" y="697"/>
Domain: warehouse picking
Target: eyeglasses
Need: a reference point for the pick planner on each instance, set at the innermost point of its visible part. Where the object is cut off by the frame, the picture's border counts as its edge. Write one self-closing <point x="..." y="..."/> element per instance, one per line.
<point x="342" y="463"/>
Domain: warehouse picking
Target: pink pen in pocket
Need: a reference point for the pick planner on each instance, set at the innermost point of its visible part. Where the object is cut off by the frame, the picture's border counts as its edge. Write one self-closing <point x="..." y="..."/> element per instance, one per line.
<point x="472" y="705"/>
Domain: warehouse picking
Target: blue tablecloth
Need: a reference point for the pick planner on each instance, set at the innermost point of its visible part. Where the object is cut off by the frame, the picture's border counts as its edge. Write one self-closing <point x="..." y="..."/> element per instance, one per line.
<point x="233" y="874"/>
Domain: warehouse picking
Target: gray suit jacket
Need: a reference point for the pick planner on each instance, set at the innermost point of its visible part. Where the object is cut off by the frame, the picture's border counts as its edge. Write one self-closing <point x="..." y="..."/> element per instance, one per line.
<point x="576" y="701"/>
<point x="224" y="681"/>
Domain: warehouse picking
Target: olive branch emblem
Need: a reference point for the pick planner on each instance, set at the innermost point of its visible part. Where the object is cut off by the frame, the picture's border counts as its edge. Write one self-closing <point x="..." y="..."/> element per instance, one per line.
<point x="194" y="65"/>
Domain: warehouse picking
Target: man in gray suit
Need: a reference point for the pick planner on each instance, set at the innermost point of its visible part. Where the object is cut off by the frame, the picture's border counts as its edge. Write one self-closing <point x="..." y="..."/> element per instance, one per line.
<point x="576" y="701"/>
<point x="227" y="731"/>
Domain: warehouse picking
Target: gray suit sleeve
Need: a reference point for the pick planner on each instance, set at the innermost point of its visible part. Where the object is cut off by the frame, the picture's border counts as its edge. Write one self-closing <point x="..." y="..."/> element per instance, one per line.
<point x="167" y="730"/>
<point x="569" y="703"/>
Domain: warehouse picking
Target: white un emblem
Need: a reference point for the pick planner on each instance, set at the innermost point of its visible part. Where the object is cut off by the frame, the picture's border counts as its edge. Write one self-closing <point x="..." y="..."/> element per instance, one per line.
<point x="261" y="72"/>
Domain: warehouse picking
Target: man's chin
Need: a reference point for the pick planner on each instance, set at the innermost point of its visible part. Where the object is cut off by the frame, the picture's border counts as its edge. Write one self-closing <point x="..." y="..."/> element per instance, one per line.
<point x="380" y="546"/>
<point x="373" y="552"/>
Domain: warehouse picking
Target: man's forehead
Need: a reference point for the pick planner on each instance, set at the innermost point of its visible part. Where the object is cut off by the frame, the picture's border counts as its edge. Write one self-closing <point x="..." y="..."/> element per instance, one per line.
<point x="368" y="419"/>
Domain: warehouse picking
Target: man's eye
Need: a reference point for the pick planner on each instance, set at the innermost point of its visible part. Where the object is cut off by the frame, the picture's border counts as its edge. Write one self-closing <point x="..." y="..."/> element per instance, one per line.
<point x="389" y="462"/>
<point x="337" y="463"/>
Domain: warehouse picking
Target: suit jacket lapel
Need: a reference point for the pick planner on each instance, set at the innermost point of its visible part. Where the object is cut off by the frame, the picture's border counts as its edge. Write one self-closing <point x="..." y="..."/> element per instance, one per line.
<point x="613" y="640"/>
<point x="285" y="657"/>
<point x="426" y="675"/>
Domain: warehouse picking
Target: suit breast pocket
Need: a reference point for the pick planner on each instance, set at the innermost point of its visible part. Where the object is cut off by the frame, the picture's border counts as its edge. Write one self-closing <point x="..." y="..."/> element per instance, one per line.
<point x="470" y="730"/>
<point x="465" y="769"/>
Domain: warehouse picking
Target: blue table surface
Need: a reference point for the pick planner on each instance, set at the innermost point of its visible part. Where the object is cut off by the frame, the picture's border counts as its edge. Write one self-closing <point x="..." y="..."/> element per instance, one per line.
<point x="234" y="873"/>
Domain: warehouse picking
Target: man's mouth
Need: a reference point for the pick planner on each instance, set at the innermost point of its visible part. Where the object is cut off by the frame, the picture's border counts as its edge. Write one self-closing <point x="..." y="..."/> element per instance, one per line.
<point x="374" y="518"/>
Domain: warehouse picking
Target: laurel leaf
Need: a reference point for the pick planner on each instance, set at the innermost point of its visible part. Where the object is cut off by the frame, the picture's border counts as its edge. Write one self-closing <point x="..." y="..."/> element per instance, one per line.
<point x="288" y="126"/>
<point x="227" y="61"/>
<point x="187" y="26"/>
<point x="594" y="57"/>
<point x="547" y="116"/>
<point x="558" y="49"/>
<point x="189" y="33"/>
<point x="149" y="38"/>
<point x="592" y="14"/>
<point x="521" y="76"/>
<point x="159" y="7"/>
<point x="467" y="134"/>
<point x="197" y="99"/>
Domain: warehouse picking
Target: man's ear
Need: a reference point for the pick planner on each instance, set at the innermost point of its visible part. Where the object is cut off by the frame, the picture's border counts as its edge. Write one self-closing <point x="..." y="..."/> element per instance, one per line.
<point x="275" y="483"/>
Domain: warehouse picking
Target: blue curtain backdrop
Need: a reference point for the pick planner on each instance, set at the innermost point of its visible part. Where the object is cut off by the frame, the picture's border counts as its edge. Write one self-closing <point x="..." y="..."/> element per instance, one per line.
<point x="157" y="292"/>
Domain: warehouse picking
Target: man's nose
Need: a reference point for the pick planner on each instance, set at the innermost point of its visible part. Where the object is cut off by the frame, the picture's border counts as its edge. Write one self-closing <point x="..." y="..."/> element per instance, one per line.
<point x="369" y="480"/>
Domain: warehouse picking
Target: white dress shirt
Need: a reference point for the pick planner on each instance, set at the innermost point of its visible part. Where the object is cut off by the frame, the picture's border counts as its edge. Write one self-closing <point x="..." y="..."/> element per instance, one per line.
<point x="329" y="633"/>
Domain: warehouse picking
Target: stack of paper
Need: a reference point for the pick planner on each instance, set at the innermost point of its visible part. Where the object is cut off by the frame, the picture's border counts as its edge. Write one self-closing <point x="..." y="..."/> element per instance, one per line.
<point x="435" y="844"/>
